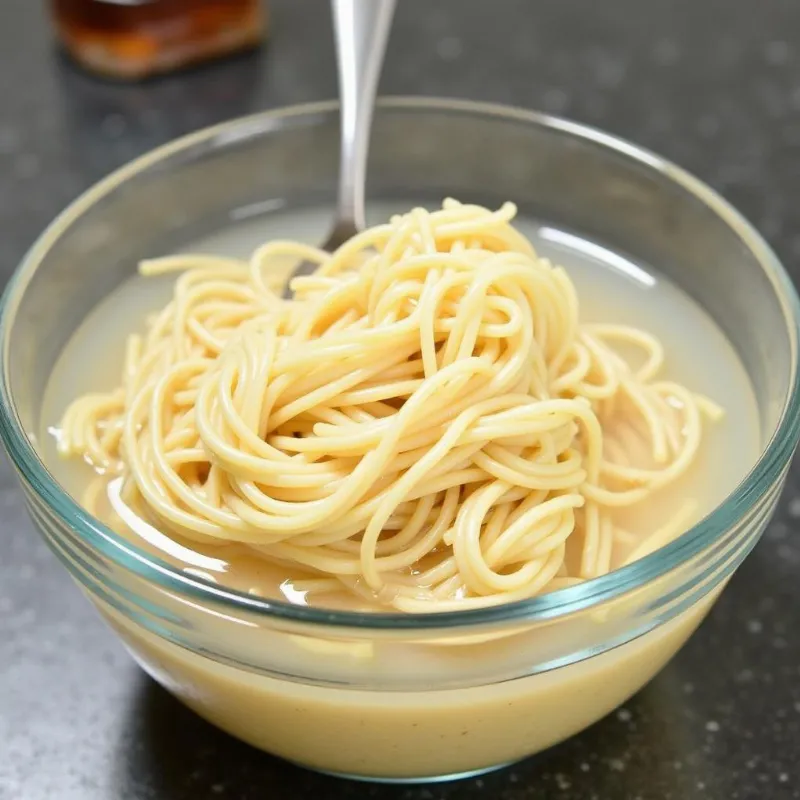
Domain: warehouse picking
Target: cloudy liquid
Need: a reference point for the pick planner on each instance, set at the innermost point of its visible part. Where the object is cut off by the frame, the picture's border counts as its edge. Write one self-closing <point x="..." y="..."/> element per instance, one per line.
<point x="610" y="288"/>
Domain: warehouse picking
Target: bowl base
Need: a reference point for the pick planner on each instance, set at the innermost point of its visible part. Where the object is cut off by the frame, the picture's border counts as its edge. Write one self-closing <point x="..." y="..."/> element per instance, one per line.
<point x="456" y="776"/>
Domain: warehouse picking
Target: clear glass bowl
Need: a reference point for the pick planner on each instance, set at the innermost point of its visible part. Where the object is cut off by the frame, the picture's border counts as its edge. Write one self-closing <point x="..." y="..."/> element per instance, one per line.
<point x="390" y="696"/>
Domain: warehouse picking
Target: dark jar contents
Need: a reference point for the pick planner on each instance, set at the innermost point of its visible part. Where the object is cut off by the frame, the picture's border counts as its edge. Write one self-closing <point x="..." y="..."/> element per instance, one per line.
<point x="136" y="38"/>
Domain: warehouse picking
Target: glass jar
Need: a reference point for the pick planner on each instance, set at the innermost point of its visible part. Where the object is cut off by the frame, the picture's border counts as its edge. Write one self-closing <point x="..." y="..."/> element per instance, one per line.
<point x="135" y="38"/>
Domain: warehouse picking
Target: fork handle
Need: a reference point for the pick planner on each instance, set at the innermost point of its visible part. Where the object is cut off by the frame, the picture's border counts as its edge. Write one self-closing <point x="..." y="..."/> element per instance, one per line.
<point x="362" y="30"/>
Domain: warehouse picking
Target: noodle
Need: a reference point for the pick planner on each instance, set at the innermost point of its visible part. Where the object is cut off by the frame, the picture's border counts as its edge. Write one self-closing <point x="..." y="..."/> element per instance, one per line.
<point x="425" y="423"/>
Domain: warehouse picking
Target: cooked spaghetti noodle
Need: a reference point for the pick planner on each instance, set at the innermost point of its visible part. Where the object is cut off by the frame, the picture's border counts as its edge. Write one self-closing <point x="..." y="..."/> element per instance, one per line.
<point x="426" y="423"/>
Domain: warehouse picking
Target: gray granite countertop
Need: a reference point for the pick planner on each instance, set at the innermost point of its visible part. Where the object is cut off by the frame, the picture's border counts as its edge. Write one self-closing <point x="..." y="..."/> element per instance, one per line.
<point x="713" y="84"/>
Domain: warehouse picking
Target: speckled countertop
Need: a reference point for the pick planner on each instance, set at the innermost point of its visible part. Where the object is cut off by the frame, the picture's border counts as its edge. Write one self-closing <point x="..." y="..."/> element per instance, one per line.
<point x="713" y="84"/>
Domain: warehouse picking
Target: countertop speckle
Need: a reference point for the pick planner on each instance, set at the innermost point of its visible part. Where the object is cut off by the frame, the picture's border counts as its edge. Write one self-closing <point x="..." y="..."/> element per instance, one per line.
<point x="712" y="84"/>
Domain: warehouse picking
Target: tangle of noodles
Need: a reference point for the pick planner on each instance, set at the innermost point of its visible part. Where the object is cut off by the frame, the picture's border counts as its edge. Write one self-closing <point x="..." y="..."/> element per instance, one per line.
<point x="426" y="423"/>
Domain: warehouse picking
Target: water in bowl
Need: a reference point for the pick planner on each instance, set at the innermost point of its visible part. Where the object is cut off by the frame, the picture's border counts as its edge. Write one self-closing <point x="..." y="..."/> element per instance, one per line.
<point x="611" y="287"/>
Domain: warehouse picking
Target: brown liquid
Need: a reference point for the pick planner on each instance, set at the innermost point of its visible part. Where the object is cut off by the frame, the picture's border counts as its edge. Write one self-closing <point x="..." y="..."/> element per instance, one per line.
<point x="150" y="36"/>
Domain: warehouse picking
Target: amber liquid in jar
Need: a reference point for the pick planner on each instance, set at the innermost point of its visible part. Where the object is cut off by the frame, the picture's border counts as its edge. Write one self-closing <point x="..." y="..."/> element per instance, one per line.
<point x="136" y="38"/>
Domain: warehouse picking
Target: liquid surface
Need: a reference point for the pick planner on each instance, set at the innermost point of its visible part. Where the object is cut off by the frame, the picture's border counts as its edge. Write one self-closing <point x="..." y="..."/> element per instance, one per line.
<point x="611" y="289"/>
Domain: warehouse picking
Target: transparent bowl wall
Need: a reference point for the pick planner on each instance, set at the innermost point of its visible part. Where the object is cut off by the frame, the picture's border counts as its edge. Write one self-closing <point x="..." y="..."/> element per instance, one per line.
<point x="396" y="697"/>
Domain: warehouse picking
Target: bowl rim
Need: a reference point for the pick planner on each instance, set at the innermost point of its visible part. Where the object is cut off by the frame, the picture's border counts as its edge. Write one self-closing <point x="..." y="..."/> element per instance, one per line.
<point x="768" y="468"/>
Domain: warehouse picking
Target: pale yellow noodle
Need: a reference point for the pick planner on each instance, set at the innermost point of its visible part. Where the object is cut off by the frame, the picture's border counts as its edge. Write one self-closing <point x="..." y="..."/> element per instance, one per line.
<point x="426" y="423"/>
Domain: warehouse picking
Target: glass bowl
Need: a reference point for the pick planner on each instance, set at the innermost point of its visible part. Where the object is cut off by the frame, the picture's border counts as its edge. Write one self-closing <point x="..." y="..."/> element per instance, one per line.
<point x="389" y="696"/>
